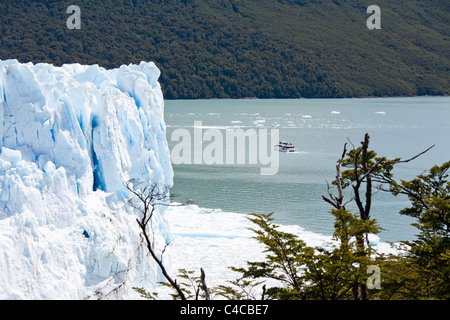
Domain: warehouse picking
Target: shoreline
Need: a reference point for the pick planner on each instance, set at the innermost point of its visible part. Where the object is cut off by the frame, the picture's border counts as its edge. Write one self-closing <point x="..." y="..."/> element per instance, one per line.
<point x="318" y="98"/>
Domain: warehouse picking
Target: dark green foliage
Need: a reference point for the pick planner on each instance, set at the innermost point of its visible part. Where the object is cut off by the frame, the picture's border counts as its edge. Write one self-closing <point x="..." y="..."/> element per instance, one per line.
<point x="304" y="272"/>
<point x="251" y="48"/>
<point x="425" y="269"/>
<point x="381" y="173"/>
<point x="286" y="257"/>
<point x="430" y="200"/>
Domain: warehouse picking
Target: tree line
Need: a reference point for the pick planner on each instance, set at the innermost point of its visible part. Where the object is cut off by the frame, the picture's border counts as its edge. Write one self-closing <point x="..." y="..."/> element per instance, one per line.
<point x="244" y="49"/>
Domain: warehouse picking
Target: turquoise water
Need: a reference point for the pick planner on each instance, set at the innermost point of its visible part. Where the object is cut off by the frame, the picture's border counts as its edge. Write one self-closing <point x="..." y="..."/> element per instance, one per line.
<point x="399" y="127"/>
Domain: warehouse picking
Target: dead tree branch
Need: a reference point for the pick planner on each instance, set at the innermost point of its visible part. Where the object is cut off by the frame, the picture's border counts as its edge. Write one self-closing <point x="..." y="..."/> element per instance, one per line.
<point x="204" y="287"/>
<point x="337" y="201"/>
<point x="147" y="199"/>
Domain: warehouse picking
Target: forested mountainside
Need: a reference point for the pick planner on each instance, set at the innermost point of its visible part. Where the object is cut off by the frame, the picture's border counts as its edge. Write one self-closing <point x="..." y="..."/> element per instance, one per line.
<point x="245" y="48"/>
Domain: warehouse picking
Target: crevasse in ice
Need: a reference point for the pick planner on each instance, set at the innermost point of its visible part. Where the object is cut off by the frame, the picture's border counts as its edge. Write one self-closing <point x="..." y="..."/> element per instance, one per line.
<point x="70" y="137"/>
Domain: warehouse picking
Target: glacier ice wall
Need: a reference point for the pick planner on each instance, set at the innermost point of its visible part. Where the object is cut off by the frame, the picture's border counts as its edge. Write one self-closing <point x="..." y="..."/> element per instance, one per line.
<point x="70" y="137"/>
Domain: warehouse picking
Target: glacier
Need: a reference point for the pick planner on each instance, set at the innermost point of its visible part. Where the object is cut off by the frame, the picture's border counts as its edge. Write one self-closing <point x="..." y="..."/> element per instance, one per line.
<point x="70" y="137"/>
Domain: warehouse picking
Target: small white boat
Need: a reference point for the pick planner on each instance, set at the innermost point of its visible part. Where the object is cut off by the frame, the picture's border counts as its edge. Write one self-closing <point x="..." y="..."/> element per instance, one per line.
<point x="284" y="146"/>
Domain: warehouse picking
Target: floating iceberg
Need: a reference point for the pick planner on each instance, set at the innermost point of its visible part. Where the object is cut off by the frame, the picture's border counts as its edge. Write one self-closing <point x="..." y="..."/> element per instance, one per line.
<point x="70" y="137"/>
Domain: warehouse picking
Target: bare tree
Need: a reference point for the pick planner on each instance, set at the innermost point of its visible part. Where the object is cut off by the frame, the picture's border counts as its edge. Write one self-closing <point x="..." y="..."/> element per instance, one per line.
<point x="364" y="169"/>
<point x="337" y="202"/>
<point x="145" y="201"/>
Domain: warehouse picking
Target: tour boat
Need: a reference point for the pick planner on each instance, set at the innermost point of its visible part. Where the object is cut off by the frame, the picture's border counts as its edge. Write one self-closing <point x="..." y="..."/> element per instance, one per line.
<point x="284" y="146"/>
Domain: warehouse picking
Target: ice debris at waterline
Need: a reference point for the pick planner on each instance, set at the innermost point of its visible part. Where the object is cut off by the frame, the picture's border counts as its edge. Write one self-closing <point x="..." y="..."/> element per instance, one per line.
<point x="70" y="136"/>
<point x="216" y="240"/>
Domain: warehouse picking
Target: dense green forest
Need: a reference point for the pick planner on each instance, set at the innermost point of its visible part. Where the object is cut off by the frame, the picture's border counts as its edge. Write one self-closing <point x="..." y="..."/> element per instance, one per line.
<point x="245" y="48"/>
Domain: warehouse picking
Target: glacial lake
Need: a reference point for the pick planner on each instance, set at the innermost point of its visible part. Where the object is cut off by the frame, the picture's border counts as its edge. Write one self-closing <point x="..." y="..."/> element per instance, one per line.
<point x="318" y="128"/>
